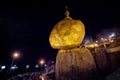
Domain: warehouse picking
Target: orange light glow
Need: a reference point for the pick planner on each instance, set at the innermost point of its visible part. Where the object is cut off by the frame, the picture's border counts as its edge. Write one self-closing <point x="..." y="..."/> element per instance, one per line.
<point x="16" y="55"/>
<point x="42" y="62"/>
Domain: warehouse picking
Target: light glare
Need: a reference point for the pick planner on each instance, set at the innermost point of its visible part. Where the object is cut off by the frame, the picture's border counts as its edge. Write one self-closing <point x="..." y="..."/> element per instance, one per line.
<point x="3" y="67"/>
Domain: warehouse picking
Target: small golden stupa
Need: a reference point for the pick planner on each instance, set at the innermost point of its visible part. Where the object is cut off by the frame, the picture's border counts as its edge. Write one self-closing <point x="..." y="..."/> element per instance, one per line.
<point x="68" y="33"/>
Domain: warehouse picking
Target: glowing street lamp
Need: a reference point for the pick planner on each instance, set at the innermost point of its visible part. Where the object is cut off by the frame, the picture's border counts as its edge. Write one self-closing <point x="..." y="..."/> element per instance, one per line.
<point x="15" y="55"/>
<point x="41" y="62"/>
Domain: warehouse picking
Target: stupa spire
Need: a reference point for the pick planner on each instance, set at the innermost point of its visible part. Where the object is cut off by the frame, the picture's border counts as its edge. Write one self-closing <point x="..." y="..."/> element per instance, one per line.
<point x="67" y="13"/>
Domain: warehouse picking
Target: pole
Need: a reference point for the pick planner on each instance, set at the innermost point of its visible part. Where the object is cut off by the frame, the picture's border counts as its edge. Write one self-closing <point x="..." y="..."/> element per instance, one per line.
<point x="9" y="69"/>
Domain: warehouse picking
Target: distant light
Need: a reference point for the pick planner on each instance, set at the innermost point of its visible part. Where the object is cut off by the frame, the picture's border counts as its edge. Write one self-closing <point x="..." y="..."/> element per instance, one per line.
<point x="27" y="66"/>
<point x="112" y="35"/>
<point x="96" y="45"/>
<point x="105" y="39"/>
<point x="42" y="61"/>
<point x="16" y="54"/>
<point x="102" y="39"/>
<point x="52" y="61"/>
<point x="3" y="67"/>
<point x="45" y="65"/>
<point x="111" y="40"/>
<point x="36" y="66"/>
<point x="21" y="75"/>
<point x="14" y="67"/>
<point x="96" y="41"/>
<point x="91" y="45"/>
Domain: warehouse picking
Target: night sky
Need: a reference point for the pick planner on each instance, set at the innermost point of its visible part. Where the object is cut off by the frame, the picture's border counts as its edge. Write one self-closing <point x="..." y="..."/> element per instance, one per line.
<point x="25" y="26"/>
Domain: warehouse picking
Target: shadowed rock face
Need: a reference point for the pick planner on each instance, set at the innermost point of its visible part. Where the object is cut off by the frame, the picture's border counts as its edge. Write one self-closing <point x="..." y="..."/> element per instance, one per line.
<point x="86" y="64"/>
<point x="75" y="64"/>
<point x="106" y="63"/>
<point x="101" y="60"/>
<point x="114" y="59"/>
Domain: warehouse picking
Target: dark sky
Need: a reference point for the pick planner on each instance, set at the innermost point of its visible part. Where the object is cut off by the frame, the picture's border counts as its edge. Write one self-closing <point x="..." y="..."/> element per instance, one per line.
<point x="26" y="26"/>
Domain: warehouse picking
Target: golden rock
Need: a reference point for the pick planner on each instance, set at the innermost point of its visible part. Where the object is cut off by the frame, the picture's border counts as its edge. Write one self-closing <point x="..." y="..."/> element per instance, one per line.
<point x="66" y="34"/>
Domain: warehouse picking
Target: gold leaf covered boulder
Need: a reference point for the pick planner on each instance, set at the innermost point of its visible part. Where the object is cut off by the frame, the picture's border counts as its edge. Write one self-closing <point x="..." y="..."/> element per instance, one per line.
<point x="66" y="34"/>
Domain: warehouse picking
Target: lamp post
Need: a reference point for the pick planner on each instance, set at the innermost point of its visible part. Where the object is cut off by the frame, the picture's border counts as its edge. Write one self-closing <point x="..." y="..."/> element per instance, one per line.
<point x="41" y="62"/>
<point x="15" y="55"/>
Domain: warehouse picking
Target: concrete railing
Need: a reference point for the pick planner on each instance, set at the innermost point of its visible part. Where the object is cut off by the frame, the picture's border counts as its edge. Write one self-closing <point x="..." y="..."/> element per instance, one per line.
<point x="114" y="49"/>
